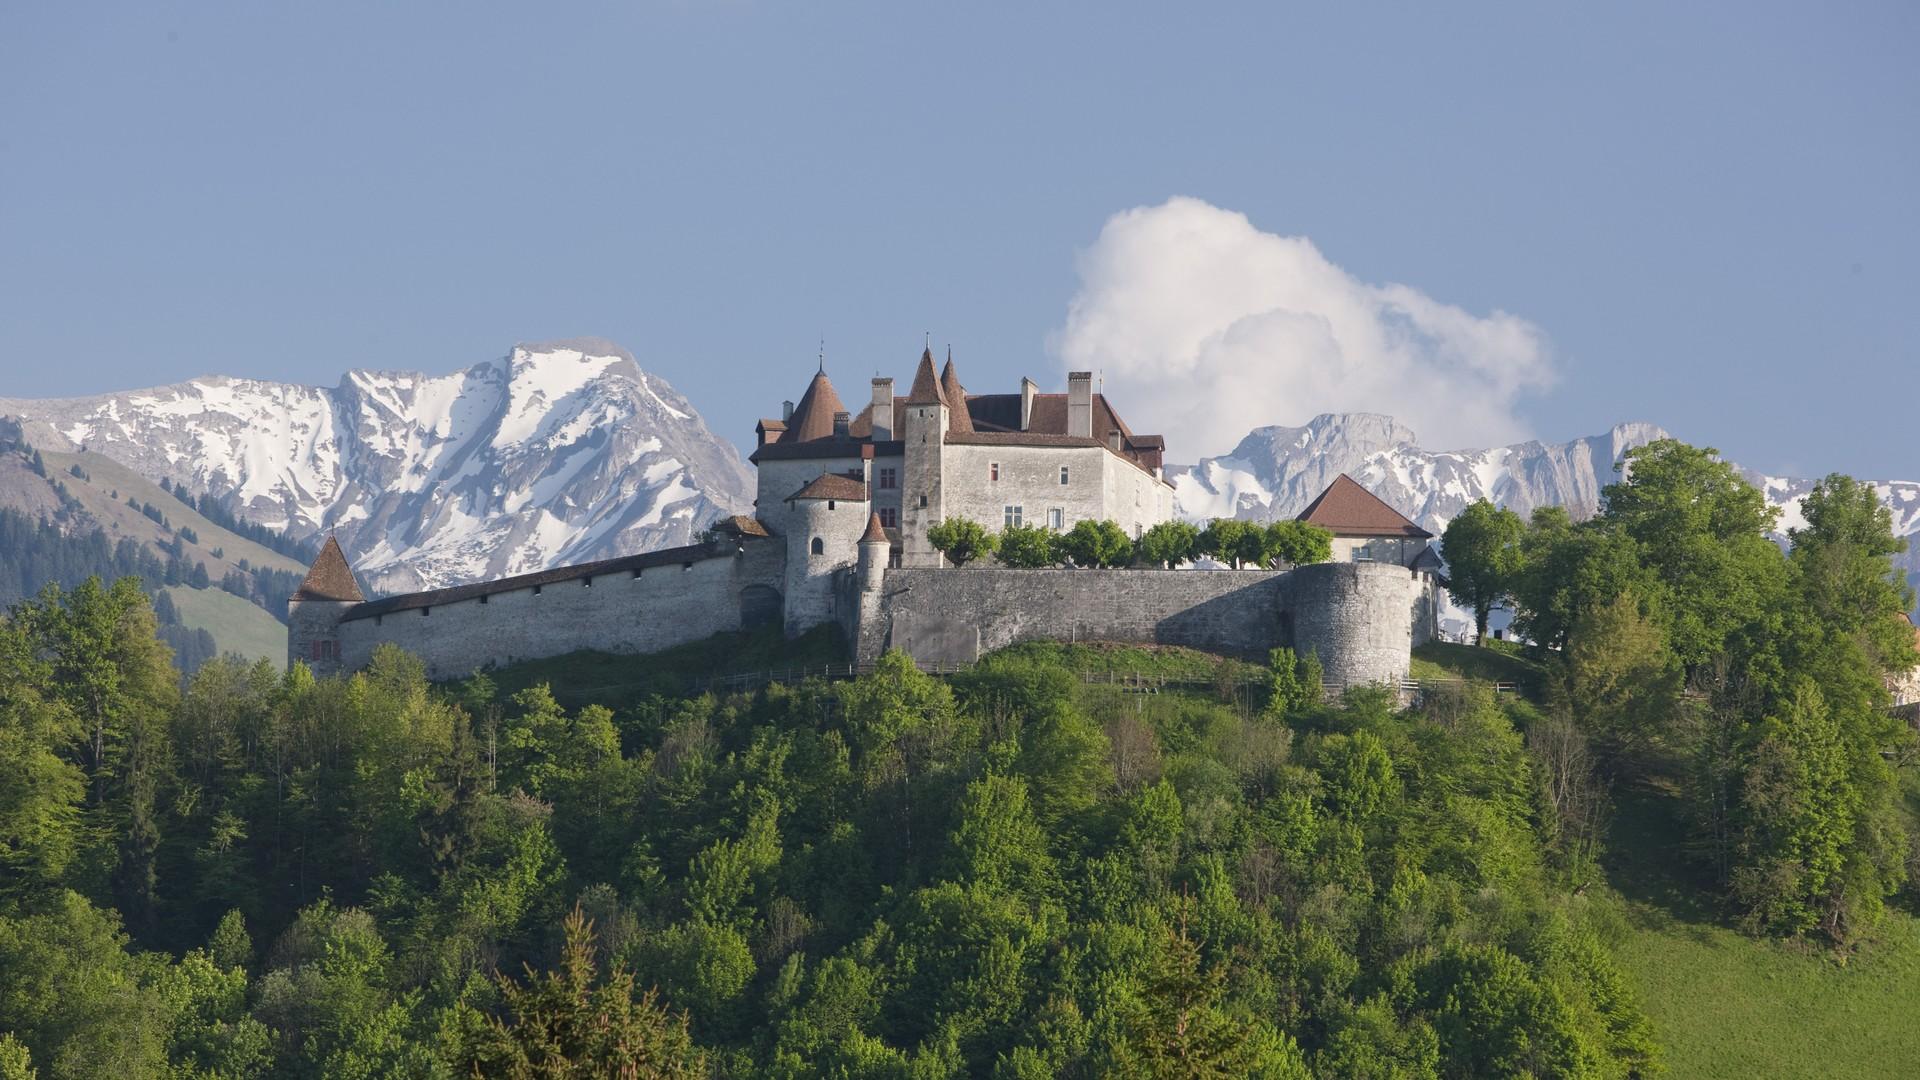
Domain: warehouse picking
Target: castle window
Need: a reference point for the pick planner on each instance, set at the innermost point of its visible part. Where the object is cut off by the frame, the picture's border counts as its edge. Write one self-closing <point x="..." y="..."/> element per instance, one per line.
<point x="483" y="598"/>
<point x="636" y="573"/>
<point x="819" y="546"/>
<point x="1056" y="519"/>
<point x="993" y="471"/>
<point x="889" y="518"/>
<point x="829" y="504"/>
<point x="1013" y="515"/>
<point x="536" y="590"/>
<point x="923" y="500"/>
<point x="889" y="479"/>
<point x="586" y="582"/>
<point x="425" y="611"/>
<point x="1063" y="474"/>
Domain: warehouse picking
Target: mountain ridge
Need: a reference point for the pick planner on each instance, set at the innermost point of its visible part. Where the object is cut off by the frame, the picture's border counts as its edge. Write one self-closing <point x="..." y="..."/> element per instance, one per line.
<point x="558" y="451"/>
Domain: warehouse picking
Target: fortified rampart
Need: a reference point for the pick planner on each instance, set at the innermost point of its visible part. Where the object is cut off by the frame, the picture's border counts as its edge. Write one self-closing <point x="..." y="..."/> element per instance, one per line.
<point x="1360" y="618"/>
<point x="638" y="604"/>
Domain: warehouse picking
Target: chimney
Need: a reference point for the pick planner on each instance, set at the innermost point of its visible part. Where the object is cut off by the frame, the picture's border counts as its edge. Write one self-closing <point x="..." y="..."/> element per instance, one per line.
<point x="1026" y="402"/>
<point x="1080" y="404"/>
<point x="882" y="410"/>
<point x="841" y="421"/>
<point x="786" y="412"/>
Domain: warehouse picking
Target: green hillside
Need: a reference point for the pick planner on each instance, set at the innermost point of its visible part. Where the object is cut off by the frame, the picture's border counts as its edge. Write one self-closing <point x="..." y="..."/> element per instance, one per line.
<point x="104" y="493"/>
<point x="1726" y="1004"/>
<point x="236" y="625"/>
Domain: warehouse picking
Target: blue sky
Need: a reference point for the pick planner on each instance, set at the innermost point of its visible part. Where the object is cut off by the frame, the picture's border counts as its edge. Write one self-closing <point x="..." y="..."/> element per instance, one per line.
<point x="1707" y="216"/>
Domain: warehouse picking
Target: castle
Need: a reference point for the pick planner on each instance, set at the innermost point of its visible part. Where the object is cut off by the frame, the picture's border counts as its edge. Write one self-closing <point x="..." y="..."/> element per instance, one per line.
<point x="839" y="535"/>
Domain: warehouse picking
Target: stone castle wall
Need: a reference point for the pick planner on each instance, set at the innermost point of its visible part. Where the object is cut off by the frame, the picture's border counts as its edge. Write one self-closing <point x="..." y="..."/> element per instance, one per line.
<point x="1358" y="617"/>
<point x="1362" y="619"/>
<point x="621" y="612"/>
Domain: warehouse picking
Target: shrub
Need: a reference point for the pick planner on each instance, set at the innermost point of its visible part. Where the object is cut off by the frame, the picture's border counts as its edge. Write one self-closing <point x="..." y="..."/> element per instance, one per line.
<point x="1028" y="547"/>
<point x="1169" y="543"/>
<point x="961" y="540"/>
<point x="1097" y="543"/>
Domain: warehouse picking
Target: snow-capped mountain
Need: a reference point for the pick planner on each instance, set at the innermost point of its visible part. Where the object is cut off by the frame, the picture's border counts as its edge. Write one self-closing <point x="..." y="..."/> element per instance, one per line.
<point x="556" y="453"/>
<point x="1276" y="471"/>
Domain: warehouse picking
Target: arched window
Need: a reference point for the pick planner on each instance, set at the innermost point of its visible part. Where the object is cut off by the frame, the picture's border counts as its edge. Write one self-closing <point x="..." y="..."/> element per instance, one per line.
<point x="819" y="546"/>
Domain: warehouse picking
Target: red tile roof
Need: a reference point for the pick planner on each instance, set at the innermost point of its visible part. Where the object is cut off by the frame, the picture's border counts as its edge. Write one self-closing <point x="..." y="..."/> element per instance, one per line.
<point x="741" y="525"/>
<point x="959" y="417"/>
<point x="330" y="578"/>
<point x="876" y="533"/>
<point x="1348" y="509"/>
<point x="832" y="486"/>
<point x="813" y="417"/>
<point x="926" y="385"/>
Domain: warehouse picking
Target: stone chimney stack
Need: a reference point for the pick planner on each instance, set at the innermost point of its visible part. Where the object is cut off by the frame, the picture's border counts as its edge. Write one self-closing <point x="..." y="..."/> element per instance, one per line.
<point x="882" y="410"/>
<point x="1026" y="403"/>
<point x="841" y="422"/>
<point x="786" y="411"/>
<point x="1080" y="404"/>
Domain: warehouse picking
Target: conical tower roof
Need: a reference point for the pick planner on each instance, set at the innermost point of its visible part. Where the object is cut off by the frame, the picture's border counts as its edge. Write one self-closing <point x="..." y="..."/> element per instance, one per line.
<point x="330" y="578"/>
<point x="876" y="533"/>
<point x="958" y="418"/>
<point x="813" y="417"/>
<point x="926" y="385"/>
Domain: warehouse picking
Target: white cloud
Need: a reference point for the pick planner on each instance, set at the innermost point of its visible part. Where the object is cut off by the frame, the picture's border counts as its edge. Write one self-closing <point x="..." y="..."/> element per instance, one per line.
<point x="1205" y="327"/>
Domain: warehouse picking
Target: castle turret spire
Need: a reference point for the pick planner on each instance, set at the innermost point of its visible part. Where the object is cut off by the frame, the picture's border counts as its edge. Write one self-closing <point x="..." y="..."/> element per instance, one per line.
<point x="330" y="578"/>
<point x="813" y="417"/>
<point x="958" y="418"/>
<point x="926" y="385"/>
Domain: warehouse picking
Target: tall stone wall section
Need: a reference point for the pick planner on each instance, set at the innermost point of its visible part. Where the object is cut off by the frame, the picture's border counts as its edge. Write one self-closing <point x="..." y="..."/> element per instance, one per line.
<point x="953" y="616"/>
<point x="619" y="612"/>
<point x="1358" y="617"/>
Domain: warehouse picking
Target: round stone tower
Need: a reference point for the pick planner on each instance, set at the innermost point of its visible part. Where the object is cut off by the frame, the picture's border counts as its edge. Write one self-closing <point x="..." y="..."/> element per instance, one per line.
<point x="828" y="517"/>
<point x="1358" y="617"/>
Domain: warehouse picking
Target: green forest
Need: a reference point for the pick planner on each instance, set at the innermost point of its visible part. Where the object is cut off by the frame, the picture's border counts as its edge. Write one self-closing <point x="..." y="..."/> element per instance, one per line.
<point x="1077" y="861"/>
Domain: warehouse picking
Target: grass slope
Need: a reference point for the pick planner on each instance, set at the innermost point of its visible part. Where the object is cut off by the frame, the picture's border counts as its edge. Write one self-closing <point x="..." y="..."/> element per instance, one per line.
<point x="237" y="626"/>
<point x="1728" y="1005"/>
<point x="1725" y="1004"/>
<point x="618" y="682"/>
<point x="1497" y="661"/>
<point x="104" y="495"/>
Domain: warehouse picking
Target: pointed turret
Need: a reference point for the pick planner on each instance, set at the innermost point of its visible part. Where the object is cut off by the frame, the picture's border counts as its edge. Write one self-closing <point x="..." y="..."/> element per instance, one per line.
<point x="873" y="555"/>
<point x="926" y="385"/>
<point x="958" y="418"/>
<point x="330" y="578"/>
<point x="813" y="417"/>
